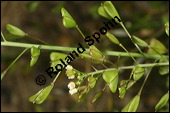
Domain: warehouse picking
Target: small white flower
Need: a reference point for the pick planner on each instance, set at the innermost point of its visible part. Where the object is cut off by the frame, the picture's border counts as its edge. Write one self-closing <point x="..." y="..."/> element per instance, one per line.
<point x="71" y="77"/>
<point x="73" y="91"/>
<point x="69" y="67"/>
<point x="71" y="85"/>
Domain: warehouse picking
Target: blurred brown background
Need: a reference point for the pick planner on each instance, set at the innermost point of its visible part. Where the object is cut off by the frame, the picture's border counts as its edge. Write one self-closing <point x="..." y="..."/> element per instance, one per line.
<point x="144" y="19"/>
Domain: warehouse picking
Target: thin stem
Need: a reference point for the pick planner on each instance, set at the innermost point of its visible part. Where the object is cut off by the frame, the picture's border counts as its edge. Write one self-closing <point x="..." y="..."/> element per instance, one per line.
<point x="126" y="67"/>
<point x="80" y="31"/>
<point x="3" y="37"/>
<point x="131" y="39"/>
<point x="55" y="78"/>
<point x="37" y="39"/>
<point x="61" y="48"/>
<point x="3" y="74"/>
<point x="128" y="53"/>
<point x="139" y="93"/>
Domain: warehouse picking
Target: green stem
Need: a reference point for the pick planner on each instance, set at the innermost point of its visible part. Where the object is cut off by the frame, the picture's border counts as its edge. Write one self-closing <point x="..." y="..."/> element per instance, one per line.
<point x="3" y="74"/>
<point x="131" y="39"/>
<point x="37" y="39"/>
<point x="60" y="48"/>
<point x="126" y="67"/>
<point x="80" y="31"/>
<point x="128" y="53"/>
<point x="3" y="37"/>
<point x="140" y="91"/>
<point x="55" y="78"/>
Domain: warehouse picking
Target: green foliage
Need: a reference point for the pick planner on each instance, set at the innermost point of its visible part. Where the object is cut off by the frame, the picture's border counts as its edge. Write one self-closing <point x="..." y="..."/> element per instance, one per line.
<point x="14" y="32"/>
<point x="68" y="21"/>
<point x="157" y="46"/>
<point x="35" y="53"/>
<point x="41" y="96"/>
<point x="162" y="102"/>
<point x="132" y="105"/>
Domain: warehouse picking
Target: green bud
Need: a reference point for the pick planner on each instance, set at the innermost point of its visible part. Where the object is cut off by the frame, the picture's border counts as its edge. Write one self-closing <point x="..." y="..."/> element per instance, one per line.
<point x="110" y="9"/>
<point x="35" y="53"/>
<point x="122" y="92"/>
<point x="54" y="56"/>
<point x="91" y="81"/>
<point x="167" y="28"/>
<point x="156" y="45"/>
<point x="112" y="38"/>
<point x="14" y="32"/>
<point x="139" y="41"/>
<point x="103" y="12"/>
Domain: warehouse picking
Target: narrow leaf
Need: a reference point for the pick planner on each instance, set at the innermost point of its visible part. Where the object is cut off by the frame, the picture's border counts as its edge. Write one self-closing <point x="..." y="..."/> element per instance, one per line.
<point x="35" y="51"/>
<point x="122" y="92"/>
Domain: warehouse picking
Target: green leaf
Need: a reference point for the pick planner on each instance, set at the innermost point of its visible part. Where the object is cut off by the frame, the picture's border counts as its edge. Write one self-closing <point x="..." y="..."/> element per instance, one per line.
<point x="35" y="53"/>
<point x="167" y="28"/>
<point x="68" y="21"/>
<point x="110" y="9"/>
<point x="109" y="76"/>
<point x="162" y="102"/>
<point x="32" y="6"/>
<point x="113" y="85"/>
<point x="157" y="46"/>
<point x="41" y="96"/>
<point x="122" y="92"/>
<point x="54" y="56"/>
<point x="14" y="32"/>
<point x="103" y="13"/>
<point x="132" y="105"/>
<point x="112" y="38"/>
<point x="138" y="72"/>
<point x="91" y="81"/>
<point x="96" y="97"/>
<point x="139" y="41"/>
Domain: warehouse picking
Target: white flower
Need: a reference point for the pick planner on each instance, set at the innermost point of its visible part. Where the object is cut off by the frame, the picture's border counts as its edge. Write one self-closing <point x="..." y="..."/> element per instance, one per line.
<point x="71" y="85"/>
<point x="69" y="67"/>
<point x="73" y="91"/>
<point x="71" y="77"/>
